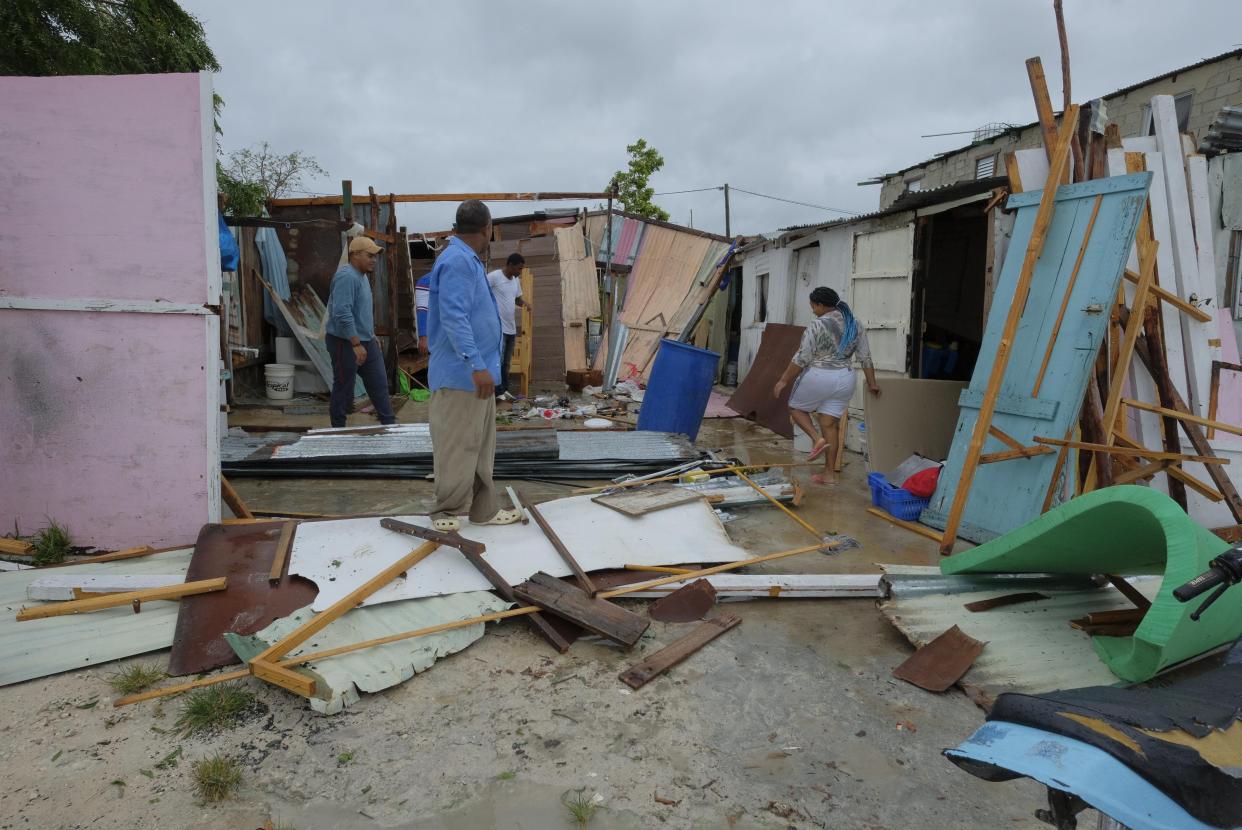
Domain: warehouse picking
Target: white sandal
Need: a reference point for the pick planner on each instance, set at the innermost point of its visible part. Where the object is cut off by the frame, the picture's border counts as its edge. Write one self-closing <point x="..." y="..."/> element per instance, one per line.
<point x="502" y="517"/>
<point x="448" y="524"/>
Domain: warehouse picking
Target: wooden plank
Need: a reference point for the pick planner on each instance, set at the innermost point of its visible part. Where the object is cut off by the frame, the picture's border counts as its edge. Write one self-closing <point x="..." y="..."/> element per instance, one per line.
<point x="64" y="585"/>
<point x="1172" y="299"/>
<point x="233" y="500"/>
<point x="127" y="553"/>
<point x="537" y="621"/>
<point x="1043" y="107"/>
<point x="283" y="546"/>
<point x="1039" y="233"/>
<point x="1141" y="471"/>
<point x="1010" y="455"/>
<point x="1141" y="602"/>
<point x="16" y="547"/>
<point x="579" y="574"/>
<point x="1005" y="438"/>
<point x="642" y="673"/>
<point x="1196" y="484"/>
<point x="922" y="530"/>
<point x="296" y="682"/>
<point x="135" y="598"/>
<point x="1185" y="416"/>
<point x="338" y="609"/>
<point x="597" y="615"/>
<point x="1065" y="299"/>
<point x="638" y="503"/>
<point x="1139" y="452"/>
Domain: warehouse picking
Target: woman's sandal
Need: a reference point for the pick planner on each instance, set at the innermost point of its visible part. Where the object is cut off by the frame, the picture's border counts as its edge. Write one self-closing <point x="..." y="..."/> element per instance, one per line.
<point x="819" y="479"/>
<point x="817" y="451"/>
<point x="502" y="517"/>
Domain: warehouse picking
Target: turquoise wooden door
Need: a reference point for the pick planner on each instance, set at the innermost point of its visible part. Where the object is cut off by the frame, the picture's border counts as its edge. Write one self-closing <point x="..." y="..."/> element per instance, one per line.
<point x="1008" y="494"/>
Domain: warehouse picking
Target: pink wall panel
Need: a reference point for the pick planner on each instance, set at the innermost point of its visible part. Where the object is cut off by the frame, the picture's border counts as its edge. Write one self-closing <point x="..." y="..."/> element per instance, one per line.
<point x="103" y="421"/>
<point x="108" y="420"/>
<point x="103" y="188"/>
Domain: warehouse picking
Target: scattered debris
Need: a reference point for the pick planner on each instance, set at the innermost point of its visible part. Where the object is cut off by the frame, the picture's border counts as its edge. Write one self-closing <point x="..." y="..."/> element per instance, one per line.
<point x="642" y="673"/>
<point x="686" y="604"/>
<point x="1002" y="601"/>
<point x="942" y="662"/>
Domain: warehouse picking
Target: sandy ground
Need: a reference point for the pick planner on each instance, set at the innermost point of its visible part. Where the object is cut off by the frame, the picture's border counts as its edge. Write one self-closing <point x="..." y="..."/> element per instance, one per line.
<point x="790" y="720"/>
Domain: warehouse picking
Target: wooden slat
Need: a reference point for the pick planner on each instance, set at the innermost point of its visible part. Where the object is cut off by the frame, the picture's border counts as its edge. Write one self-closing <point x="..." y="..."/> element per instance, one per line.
<point x="572" y="603"/>
<point x="805" y="524"/>
<point x="16" y="547"/>
<point x="566" y="556"/>
<point x="1141" y="472"/>
<point x="1201" y="487"/>
<point x="922" y="530"/>
<point x="1233" y="429"/>
<point x="1172" y="299"/>
<point x="642" y="673"/>
<point x="638" y="503"/>
<point x="1010" y="455"/>
<point x="85" y="606"/>
<point x="1005" y="438"/>
<point x="1039" y="234"/>
<point x="1141" y="453"/>
<point x="1043" y="110"/>
<point x="282" y="551"/>
<point x="538" y="622"/>
<point x="233" y="500"/>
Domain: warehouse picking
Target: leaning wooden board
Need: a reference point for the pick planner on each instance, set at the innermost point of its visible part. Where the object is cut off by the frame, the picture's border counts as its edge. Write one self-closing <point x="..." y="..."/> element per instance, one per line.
<point x="639" y="675"/>
<point x="572" y="603"/>
<point x="640" y="501"/>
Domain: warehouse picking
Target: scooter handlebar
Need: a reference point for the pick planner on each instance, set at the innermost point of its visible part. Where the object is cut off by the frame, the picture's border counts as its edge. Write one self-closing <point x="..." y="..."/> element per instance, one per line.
<point x="1202" y="583"/>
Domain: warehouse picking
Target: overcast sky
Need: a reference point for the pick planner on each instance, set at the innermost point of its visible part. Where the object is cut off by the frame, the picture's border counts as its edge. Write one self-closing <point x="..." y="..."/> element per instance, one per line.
<point x="800" y="100"/>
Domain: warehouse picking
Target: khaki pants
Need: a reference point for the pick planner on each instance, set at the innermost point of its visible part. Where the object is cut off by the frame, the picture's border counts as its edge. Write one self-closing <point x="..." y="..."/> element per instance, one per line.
<point x="463" y="432"/>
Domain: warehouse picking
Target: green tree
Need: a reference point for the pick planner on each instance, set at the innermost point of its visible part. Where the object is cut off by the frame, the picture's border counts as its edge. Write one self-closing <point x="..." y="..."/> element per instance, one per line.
<point x="100" y="37"/>
<point x="253" y="175"/>
<point x="632" y="189"/>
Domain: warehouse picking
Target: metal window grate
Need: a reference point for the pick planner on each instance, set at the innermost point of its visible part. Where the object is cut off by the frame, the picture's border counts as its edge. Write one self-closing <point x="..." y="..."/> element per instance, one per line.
<point x="985" y="167"/>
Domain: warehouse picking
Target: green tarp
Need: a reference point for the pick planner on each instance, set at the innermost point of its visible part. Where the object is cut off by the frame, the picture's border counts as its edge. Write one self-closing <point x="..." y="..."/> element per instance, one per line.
<point x="1123" y="530"/>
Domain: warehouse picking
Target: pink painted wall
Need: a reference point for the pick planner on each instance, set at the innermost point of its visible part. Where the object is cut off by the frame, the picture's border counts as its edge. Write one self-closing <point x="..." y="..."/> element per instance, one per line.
<point x="106" y="418"/>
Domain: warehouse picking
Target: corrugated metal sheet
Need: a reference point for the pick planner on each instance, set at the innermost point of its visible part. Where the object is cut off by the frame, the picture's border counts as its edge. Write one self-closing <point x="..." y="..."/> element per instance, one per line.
<point x="38" y="648"/>
<point x="340" y="679"/>
<point x="1225" y="133"/>
<point x="1030" y="646"/>
<point x="627" y="236"/>
<point x="592" y="446"/>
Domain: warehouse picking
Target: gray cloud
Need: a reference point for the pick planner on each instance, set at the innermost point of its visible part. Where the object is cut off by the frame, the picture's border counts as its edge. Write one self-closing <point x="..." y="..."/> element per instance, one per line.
<point x="798" y="99"/>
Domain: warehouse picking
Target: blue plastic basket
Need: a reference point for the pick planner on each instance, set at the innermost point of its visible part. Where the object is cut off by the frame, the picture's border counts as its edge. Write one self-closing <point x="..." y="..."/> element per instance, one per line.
<point x="897" y="502"/>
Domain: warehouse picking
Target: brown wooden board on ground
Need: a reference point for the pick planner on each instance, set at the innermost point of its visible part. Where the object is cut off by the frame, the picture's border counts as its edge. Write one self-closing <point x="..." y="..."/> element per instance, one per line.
<point x="596" y="615"/>
<point x="640" y="501"/>
<point x="244" y="554"/>
<point x="1002" y="601"/>
<point x="942" y="662"/>
<point x="642" y="673"/>
<point x="687" y="604"/>
<point x="753" y="397"/>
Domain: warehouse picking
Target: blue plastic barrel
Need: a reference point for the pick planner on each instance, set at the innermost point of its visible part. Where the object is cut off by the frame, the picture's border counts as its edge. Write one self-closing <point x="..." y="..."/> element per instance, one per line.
<point x="677" y="391"/>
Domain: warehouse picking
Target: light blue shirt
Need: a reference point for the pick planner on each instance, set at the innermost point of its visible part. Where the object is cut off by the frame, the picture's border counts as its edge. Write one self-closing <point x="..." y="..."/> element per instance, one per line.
<point x="350" y="307"/>
<point x="463" y="324"/>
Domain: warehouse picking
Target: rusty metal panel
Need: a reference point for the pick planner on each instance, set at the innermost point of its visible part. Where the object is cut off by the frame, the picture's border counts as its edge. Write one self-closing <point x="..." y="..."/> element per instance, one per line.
<point x="753" y="398"/>
<point x="244" y="554"/>
<point x="942" y="662"/>
<point x="687" y="604"/>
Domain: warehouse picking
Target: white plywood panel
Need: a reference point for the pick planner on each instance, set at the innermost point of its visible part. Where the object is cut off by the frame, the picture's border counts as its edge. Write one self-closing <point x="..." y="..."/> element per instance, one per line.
<point x="880" y="292"/>
<point x="339" y="556"/>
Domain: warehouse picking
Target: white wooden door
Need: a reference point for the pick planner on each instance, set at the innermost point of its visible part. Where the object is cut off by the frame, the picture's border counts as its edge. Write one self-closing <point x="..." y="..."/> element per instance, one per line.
<point x="880" y="292"/>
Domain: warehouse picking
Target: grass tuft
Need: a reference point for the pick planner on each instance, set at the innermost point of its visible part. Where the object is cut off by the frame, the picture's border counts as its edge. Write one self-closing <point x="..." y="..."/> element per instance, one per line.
<point x="136" y="678"/>
<point x="507" y="775"/>
<point x="346" y="757"/>
<point x="216" y="778"/>
<point x="50" y="544"/>
<point x="214" y="707"/>
<point x="581" y="806"/>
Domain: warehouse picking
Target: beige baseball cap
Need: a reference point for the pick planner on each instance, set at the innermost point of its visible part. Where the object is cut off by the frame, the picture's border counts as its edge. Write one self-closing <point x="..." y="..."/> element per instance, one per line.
<point x="365" y="244"/>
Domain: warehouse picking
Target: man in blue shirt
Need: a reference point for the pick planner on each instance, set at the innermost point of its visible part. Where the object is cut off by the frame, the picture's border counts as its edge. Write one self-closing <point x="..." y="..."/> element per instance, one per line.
<point x="463" y="326"/>
<point x="350" y="336"/>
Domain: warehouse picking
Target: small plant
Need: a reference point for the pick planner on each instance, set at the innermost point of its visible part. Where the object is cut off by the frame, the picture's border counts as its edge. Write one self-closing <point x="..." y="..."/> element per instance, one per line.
<point x="133" y="679"/>
<point x="507" y="775"/>
<point x="214" y="707"/>
<point x="346" y="757"/>
<point x="581" y="806"/>
<point x="216" y="778"/>
<point x="50" y="544"/>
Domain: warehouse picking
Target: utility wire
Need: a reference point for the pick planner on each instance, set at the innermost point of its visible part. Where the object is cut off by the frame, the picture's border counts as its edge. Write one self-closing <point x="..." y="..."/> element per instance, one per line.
<point x="695" y="190"/>
<point x="793" y="201"/>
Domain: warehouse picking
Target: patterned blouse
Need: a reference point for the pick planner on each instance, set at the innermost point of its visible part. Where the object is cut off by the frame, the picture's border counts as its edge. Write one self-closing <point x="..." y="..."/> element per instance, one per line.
<point x="819" y="344"/>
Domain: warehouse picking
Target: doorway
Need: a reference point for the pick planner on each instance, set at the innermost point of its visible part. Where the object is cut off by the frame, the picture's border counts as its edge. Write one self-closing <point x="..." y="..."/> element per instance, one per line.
<point x="949" y="293"/>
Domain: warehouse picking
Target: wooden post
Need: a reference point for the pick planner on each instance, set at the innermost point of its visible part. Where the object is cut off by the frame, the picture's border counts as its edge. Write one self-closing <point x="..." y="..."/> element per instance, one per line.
<point x="233" y="500"/>
<point x="1039" y="233"/>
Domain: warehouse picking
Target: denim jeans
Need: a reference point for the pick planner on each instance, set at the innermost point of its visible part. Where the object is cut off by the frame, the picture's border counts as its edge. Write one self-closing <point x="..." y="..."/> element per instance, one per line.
<point x="345" y="369"/>
<point x="506" y="357"/>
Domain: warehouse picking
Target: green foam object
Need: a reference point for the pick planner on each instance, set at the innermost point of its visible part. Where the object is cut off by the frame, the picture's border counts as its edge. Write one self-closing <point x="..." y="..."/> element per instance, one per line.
<point x="1125" y="530"/>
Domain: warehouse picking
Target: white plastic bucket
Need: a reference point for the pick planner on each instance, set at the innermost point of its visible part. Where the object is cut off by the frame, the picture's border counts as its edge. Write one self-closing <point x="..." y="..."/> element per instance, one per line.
<point x="279" y="377"/>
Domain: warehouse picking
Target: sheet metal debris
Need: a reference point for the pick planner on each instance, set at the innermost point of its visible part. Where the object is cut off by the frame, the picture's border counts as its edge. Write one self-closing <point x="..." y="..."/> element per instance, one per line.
<point x="686" y="604"/>
<point x="942" y="662"/>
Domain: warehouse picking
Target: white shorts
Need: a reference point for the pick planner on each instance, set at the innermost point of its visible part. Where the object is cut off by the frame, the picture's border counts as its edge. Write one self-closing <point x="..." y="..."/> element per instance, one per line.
<point x="826" y="391"/>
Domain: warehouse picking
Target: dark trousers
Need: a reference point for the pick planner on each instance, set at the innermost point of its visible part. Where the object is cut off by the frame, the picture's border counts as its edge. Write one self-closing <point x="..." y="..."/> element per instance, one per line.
<point x="345" y="370"/>
<point x="506" y="356"/>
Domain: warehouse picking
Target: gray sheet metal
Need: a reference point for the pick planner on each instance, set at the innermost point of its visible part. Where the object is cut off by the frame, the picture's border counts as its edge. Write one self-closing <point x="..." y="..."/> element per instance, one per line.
<point x="375" y="669"/>
<point x="38" y="648"/>
<point x="593" y="446"/>
<point x="1030" y="647"/>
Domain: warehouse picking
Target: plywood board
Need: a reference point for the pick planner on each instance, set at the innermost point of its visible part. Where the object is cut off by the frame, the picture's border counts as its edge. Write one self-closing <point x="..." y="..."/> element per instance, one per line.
<point x="569" y="602"/>
<point x="911" y="416"/>
<point x="639" y="501"/>
<point x="341" y="555"/>
<point x="753" y="398"/>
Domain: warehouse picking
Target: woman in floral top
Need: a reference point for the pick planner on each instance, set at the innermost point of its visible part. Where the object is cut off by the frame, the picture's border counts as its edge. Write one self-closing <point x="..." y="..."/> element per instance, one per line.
<point x="822" y="373"/>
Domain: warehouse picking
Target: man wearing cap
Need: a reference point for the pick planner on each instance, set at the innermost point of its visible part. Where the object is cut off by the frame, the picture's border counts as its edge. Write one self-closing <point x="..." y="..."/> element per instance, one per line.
<point x="350" y="336"/>
<point x="463" y="325"/>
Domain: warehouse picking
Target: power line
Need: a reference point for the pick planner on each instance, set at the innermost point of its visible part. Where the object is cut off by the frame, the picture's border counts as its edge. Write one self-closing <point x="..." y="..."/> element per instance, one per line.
<point x="695" y="190"/>
<point x="794" y="201"/>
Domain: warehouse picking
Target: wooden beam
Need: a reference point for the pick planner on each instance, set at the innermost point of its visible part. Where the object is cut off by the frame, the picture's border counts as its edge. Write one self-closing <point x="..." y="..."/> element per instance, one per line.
<point x="134" y="598"/>
<point x="1065" y="299"/>
<point x="282" y="551"/>
<point x="1173" y="471"/>
<point x="277" y="675"/>
<point x="1062" y="456"/>
<point x="566" y="556"/>
<point x="1232" y="429"/>
<point x="346" y="603"/>
<point x="1043" y="109"/>
<point x="399" y="198"/>
<point x="568" y="601"/>
<point x="1172" y="299"/>
<point x="233" y="500"/>
<point x="127" y="553"/>
<point x="16" y="547"/>
<point x="1005" y="438"/>
<point x="1022" y="291"/>
<point x="642" y="673"/>
<point x="1141" y="602"/>
<point x="1141" y="472"/>
<point x="914" y="527"/>
<point x="1012" y="172"/>
<point x="1141" y="453"/>
<point x="1010" y="455"/>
